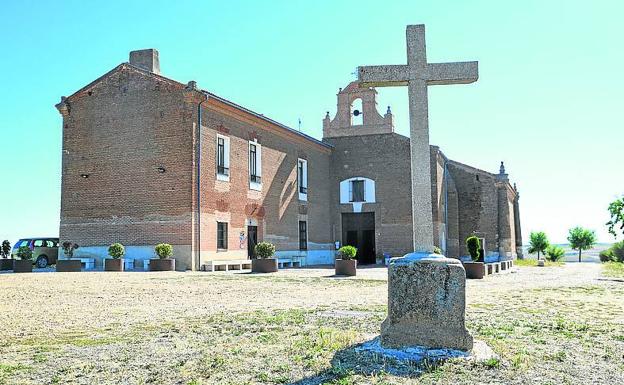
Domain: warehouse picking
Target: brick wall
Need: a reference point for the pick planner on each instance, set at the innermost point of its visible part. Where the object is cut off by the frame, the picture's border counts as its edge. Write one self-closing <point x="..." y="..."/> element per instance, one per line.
<point x="118" y="131"/>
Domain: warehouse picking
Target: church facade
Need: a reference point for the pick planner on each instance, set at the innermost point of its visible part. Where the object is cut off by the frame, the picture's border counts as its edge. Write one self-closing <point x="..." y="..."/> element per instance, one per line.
<point x="147" y="159"/>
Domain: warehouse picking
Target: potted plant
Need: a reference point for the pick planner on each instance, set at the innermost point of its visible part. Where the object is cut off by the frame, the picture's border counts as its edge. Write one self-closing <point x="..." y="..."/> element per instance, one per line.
<point x="164" y="262"/>
<point x="264" y="263"/>
<point x="116" y="251"/>
<point x="474" y="269"/>
<point x="5" y="252"/>
<point x="68" y="265"/>
<point x="346" y="264"/>
<point x="24" y="262"/>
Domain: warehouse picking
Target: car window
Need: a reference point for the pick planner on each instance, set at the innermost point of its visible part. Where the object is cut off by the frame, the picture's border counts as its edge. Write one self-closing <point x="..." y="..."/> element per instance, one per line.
<point x="38" y="243"/>
<point x="23" y="242"/>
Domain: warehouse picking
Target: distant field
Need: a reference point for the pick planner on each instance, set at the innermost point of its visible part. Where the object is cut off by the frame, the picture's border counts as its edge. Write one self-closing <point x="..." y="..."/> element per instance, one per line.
<point x="572" y="255"/>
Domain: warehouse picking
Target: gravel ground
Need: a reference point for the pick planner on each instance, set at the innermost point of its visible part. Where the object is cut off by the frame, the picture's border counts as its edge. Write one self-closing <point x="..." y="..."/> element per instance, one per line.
<point x="549" y="325"/>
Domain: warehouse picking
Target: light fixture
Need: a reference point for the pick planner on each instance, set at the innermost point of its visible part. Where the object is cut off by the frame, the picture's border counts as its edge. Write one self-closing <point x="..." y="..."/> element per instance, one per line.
<point x="84" y="176"/>
<point x="161" y="169"/>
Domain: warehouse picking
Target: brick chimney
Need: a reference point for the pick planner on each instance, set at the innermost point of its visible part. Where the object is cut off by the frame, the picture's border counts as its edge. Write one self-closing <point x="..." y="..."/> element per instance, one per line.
<point x="146" y="59"/>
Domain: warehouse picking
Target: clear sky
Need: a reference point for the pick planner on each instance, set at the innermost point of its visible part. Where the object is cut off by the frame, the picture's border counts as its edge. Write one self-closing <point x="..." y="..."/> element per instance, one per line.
<point x="549" y="100"/>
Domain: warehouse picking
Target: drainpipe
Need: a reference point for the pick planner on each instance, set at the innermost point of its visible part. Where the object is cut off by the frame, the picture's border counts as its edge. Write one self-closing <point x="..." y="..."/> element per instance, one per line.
<point x="198" y="181"/>
<point x="446" y="224"/>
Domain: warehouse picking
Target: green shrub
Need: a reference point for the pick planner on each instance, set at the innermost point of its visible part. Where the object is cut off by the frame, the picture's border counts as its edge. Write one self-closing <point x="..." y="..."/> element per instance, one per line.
<point x="164" y="250"/>
<point x="554" y="253"/>
<point x="606" y="256"/>
<point x="347" y="252"/>
<point x="437" y="250"/>
<point x="5" y="251"/>
<point x="24" y="252"/>
<point x="116" y="250"/>
<point x="473" y="244"/>
<point x="618" y="251"/>
<point x="264" y="250"/>
<point x="68" y="248"/>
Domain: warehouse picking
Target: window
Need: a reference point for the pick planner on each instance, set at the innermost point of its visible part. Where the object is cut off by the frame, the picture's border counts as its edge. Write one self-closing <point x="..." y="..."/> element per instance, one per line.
<point x="357" y="191"/>
<point x="255" y="166"/>
<point x="39" y="243"/>
<point x="223" y="158"/>
<point x="303" y="235"/>
<point x="302" y="178"/>
<point x="222" y="235"/>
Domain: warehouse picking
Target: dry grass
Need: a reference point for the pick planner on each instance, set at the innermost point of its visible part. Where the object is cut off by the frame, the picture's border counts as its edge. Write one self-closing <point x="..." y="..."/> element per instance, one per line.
<point x="614" y="269"/>
<point x="551" y="325"/>
<point x="533" y="263"/>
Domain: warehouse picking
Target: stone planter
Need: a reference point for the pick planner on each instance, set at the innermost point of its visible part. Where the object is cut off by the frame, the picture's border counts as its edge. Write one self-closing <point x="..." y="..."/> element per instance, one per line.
<point x="268" y="265"/>
<point x="6" y="264"/>
<point x="540" y="263"/>
<point x="111" y="264"/>
<point x="22" y="266"/>
<point x="68" y="265"/>
<point x="157" y="264"/>
<point x="474" y="270"/>
<point x="346" y="267"/>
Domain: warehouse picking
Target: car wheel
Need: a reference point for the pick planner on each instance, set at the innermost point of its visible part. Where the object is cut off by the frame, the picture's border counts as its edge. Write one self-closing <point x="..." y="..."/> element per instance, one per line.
<point x="42" y="262"/>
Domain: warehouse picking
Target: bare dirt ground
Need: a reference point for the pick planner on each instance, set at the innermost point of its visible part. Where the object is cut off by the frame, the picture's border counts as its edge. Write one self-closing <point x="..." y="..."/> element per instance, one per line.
<point x="552" y="325"/>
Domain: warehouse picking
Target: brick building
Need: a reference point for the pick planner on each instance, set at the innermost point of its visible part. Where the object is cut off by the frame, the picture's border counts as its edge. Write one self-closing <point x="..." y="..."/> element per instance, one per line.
<point x="147" y="159"/>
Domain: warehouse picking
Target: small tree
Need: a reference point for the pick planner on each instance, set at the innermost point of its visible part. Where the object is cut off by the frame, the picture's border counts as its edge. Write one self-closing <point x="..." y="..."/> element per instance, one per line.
<point x="164" y="250"/>
<point x="538" y="243"/>
<point x="68" y="248"/>
<point x="25" y="253"/>
<point x="347" y="252"/>
<point x="264" y="250"/>
<point x="554" y="253"/>
<point x="473" y="245"/>
<point x="116" y="250"/>
<point x="6" y="249"/>
<point x="616" y="210"/>
<point x="581" y="239"/>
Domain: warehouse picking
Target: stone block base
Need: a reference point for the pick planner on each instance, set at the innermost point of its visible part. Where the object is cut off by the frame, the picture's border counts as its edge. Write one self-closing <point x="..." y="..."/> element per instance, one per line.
<point x="426" y="304"/>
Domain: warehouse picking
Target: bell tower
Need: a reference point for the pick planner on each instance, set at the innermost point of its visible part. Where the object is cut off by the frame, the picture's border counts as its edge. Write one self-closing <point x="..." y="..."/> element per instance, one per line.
<point x="356" y="114"/>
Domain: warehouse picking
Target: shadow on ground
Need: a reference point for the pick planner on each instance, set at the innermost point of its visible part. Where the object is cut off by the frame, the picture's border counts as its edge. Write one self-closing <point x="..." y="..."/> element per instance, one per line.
<point x="351" y="361"/>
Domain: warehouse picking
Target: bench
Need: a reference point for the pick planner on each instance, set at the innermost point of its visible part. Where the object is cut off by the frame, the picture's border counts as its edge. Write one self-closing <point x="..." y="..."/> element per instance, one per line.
<point x="227" y="265"/>
<point x="290" y="262"/>
<point x="89" y="263"/>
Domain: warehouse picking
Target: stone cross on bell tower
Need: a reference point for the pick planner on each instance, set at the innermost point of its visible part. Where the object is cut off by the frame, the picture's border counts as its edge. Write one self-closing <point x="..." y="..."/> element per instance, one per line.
<point x="417" y="75"/>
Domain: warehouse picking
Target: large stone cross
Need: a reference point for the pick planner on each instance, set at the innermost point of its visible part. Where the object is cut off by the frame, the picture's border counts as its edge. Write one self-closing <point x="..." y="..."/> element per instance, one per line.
<point x="417" y="75"/>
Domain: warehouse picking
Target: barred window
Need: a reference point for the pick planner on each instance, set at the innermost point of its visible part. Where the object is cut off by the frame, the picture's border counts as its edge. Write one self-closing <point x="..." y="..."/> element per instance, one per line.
<point x="303" y="235"/>
<point x="222" y="235"/>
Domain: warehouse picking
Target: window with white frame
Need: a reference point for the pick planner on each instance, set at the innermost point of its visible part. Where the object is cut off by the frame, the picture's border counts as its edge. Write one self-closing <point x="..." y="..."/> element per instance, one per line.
<point x="356" y="191"/>
<point x="302" y="179"/>
<point x="223" y="158"/>
<point x="255" y="165"/>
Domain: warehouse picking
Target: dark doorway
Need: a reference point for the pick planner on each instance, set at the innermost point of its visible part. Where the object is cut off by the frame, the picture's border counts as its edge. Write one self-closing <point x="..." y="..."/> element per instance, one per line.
<point x="358" y="230"/>
<point x="252" y="240"/>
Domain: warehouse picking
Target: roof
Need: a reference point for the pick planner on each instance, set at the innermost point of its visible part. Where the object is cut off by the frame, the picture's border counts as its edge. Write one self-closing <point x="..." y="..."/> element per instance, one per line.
<point x="210" y="95"/>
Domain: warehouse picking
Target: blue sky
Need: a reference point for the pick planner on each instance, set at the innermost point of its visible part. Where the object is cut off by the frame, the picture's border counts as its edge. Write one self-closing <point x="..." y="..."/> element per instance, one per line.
<point x="548" y="101"/>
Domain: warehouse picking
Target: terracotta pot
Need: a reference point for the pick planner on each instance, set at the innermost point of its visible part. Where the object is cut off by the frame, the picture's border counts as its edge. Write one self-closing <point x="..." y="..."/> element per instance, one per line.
<point x="474" y="270"/>
<point x="6" y="264"/>
<point x="22" y="266"/>
<point x="157" y="264"/>
<point x="114" y="264"/>
<point x="346" y="267"/>
<point x="268" y="265"/>
<point x="68" y="265"/>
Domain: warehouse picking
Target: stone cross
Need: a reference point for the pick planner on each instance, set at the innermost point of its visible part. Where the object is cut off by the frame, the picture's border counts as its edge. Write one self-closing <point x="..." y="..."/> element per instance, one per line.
<point x="417" y="75"/>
